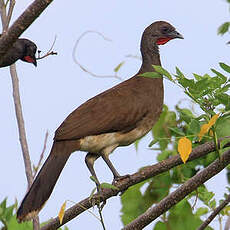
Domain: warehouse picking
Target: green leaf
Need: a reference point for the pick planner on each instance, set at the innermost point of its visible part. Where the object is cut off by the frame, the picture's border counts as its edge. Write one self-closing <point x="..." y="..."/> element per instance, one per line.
<point x="3" y="204"/>
<point x="201" y="211"/>
<point x="164" y="155"/>
<point x="225" y="67"/>
<point x="158" y="188"/>
<point x="107" y="185"/>
<point x="204" y="195"/>
<point x="163" y="71"/>
<point x="194" y="127"/>
<point x="151" y="75"/>
<point x="179" y="73"/>
<point x="224" y="79"/>
<point x="197" y="77"/>
<point x="153" y="142"/>
<point x="93" y="179"/>
<point x="223" y="28"/>
<point x="132" y="203"/>
<point x="224" y="142"/>
<point x="177" y="131"/>
<point x="186" y="83"/>
<point x="182" y="213"/>
<point x="160" y="226"/>
<point x="212" y="203"/>
<point x="116" y="69"/>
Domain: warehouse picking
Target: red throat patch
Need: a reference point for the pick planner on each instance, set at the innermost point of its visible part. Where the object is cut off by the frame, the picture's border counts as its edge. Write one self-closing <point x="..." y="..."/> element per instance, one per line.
<point x="29" y="59"/>
<point x="162" y="41"/>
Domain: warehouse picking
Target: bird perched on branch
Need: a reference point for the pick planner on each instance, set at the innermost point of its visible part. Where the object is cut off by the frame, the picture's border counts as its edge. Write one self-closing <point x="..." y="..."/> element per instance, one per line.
<point x="117" y="117"/>
<point x="22" y="49"/>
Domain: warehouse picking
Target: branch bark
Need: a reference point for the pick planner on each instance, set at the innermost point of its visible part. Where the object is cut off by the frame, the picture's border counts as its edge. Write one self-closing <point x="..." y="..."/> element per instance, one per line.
<point x="173" y="198"/>
<point x="143" y="174"/>
<point x="21" y="24"/>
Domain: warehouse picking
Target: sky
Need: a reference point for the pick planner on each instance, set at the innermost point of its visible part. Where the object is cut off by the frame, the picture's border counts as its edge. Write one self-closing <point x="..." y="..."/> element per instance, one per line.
<point x="57" y="86"/>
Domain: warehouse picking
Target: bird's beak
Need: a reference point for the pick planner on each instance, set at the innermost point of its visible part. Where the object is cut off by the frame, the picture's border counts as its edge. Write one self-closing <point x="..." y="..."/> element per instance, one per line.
<point x="174" y="34"/>
<point x="35" y="62"/>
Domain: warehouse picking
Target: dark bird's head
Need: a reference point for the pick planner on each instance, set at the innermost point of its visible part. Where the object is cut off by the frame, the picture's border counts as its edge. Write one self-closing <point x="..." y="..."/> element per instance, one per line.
<point x="22" y="49"/>
<point x="159" y="33"/>
<point x="29" y="51"/>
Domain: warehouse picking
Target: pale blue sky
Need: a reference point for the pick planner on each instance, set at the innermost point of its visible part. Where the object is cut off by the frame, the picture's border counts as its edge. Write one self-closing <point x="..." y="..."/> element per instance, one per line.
<point x="57" y="86"/>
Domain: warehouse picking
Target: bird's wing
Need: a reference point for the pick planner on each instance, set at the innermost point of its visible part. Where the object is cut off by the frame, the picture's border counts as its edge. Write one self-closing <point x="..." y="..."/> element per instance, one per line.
<point x="110" y="111"/>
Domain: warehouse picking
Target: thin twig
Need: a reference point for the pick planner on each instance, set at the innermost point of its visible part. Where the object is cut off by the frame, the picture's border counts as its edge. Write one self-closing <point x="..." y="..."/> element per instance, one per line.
<point x="10" y="11"/>
<point x="3" y="15"/>
<point x="101" y="217"/>
<point x="143" y="174"/>
<point x="41" y="155"/>
<point x="215" y="212"/>
<point x="49" y="52"/>
<point x="196" y="198"/>
<point x="74" y="54"/>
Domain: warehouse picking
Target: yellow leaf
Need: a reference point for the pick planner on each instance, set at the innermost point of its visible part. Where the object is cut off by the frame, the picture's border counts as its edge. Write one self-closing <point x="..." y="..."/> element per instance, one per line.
<point x="213" y="120"/>
<point x="62" y="212"/>
<point x="204" y="129"/>
<point x="211" y="133"/>
<point x="184" y="148"/>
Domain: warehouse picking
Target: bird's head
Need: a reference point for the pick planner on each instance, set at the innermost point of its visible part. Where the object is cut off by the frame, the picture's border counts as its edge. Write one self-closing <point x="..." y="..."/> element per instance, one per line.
<point x="159" y="33"/>
<point x="29" y="52"/>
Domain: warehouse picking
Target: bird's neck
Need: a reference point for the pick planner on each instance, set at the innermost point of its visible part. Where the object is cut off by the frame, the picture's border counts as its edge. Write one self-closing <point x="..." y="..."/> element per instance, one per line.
<point x="149" y="57"/>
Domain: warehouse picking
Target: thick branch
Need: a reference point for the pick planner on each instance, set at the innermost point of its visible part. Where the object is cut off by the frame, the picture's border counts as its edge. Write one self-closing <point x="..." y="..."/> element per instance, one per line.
<point x="21" y="24"/>
<point x="164" y="205"/>
<point x="143" y="174"/>
<point x="214" y="213"/>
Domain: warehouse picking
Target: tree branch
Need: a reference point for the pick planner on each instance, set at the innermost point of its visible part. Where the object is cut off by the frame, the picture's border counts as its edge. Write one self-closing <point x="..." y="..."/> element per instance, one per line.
<point x="21" y="125"/>
<point x="21" y="24"/>
<point x="143" y="174"/>
<point x="214" y="213"/>
<point x="179" y="194"/>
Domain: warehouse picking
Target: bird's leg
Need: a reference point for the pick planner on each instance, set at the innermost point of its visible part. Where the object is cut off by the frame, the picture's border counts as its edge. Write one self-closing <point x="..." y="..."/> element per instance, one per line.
<point x="89" y="160"/>
<point x="109" y="163"/>
<point x="116" y="175"/>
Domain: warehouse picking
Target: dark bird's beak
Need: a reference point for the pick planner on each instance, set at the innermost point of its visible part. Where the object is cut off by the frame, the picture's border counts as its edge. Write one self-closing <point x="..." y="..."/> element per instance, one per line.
<point x="174" y="34"/>
<point x="35" y="62"/>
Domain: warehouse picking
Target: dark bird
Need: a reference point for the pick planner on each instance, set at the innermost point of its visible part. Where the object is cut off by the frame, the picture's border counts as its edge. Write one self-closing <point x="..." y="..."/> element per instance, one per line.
<point x="22" y="49"/>
<point x="117" y="117"/>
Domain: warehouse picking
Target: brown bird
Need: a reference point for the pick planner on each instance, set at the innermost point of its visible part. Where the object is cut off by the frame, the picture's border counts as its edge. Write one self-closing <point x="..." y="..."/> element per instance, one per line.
<point x="22" y="49"/>
<point x="116" y="117"/>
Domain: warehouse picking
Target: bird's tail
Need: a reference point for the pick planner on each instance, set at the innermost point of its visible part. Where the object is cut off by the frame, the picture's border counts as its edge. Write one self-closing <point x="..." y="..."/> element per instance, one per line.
<point x="44" y="182"/>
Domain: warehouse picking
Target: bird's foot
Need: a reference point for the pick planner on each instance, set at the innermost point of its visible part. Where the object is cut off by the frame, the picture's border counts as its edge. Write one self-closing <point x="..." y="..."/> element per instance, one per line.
<point x="119" y="178"/>
<point x="98" y="199"/>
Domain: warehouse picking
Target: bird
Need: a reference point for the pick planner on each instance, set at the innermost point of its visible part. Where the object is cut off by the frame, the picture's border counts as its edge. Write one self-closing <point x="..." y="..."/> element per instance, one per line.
<point x="22" y="49"/>
<point x="116" y="117"/>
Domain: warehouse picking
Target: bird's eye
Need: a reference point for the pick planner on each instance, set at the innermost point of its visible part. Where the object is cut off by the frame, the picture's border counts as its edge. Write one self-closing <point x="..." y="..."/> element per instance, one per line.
<point x="165" y="29"/>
